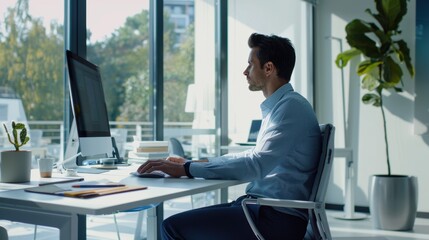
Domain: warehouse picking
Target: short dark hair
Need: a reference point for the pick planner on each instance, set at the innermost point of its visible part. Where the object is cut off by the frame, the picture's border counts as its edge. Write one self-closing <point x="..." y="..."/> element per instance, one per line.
<point x="276" y="49"/>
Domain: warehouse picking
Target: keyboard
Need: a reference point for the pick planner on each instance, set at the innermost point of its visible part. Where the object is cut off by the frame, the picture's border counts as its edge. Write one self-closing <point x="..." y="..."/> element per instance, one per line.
<point x="90" y="170"/>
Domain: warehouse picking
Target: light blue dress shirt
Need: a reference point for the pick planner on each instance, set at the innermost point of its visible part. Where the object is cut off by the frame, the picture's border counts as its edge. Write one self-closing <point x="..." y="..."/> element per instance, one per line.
<point x="284" y="161"/>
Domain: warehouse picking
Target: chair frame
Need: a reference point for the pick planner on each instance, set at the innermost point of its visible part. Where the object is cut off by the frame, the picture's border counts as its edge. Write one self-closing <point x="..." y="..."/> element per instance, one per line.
<point x="318" y="227"/>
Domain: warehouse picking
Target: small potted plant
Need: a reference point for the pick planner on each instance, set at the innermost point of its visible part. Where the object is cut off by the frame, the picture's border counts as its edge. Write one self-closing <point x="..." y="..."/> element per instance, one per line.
<point x="15" y="165"/>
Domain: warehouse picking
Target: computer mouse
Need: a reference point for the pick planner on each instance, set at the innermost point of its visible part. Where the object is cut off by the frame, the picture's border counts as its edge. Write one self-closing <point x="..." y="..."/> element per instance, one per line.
<point x="154" y="174"/>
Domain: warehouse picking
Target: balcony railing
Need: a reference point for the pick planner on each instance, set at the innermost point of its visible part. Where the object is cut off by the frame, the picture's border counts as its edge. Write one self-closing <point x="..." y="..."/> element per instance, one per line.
<point x="50" y="134"/>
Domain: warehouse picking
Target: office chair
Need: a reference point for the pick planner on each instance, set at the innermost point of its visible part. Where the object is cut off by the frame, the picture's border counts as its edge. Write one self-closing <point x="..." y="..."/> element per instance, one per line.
<point x="175" y="148"/>
<point x="318" y="227"/>
<point x="139" y="222"/>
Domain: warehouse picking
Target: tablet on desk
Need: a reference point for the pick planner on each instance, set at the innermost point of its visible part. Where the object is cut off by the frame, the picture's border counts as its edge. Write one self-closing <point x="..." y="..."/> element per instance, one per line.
<point x="154" y="174"/>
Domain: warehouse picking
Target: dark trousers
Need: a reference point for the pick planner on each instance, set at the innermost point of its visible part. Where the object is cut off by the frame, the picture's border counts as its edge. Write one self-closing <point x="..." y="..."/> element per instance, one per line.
<point x="227" y="221"/>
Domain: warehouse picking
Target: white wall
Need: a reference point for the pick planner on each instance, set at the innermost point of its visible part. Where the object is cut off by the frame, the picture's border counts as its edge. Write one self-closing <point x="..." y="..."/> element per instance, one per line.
<point x="409" y="152"/>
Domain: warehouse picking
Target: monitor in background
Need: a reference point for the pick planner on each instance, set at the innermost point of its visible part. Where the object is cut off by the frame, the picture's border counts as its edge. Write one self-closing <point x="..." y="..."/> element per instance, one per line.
<point x="89" y="107"/>
<point x="253" y="133"/>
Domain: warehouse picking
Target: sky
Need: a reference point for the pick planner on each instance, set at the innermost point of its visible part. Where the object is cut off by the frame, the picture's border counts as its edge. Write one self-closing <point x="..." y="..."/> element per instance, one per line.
<point x="103" y="16"/>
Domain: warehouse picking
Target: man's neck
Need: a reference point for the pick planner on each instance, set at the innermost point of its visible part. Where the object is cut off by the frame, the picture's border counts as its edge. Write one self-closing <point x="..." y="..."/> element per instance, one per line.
<point x="272" y="86"/>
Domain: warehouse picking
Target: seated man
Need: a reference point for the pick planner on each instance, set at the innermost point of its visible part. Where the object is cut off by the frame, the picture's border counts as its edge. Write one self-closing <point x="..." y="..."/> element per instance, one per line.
<point x="281" y="165"/>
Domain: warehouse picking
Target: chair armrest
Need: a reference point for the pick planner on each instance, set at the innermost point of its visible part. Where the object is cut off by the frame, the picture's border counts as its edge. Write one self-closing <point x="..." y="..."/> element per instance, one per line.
<point x="287" y="203"/>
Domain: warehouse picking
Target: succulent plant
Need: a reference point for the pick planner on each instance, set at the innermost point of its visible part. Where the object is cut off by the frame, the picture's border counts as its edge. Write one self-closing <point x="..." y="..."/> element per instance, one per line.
<point x="17" y="142"/>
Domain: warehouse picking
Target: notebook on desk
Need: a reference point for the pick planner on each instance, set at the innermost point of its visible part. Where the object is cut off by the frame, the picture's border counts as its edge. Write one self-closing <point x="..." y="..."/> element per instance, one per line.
<point x="253" y="133"/>
<point x="71" y="190"/>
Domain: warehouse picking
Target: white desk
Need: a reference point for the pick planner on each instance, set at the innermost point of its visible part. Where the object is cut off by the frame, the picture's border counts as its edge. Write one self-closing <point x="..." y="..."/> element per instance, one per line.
<point x="69" y="214"/>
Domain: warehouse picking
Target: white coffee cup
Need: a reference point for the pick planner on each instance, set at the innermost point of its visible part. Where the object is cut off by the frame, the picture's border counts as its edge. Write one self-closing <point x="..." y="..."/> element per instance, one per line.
<point x="45" y="167"/>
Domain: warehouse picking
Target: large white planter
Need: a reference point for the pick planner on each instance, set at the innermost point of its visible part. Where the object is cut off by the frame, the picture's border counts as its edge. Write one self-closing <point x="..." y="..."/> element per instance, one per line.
<point x="393" y="201"/>
<point x="15" y="166"/>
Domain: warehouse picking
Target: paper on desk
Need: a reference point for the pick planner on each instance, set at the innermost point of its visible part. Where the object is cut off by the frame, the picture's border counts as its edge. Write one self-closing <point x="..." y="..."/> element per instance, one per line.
<point x="11" y="186"/>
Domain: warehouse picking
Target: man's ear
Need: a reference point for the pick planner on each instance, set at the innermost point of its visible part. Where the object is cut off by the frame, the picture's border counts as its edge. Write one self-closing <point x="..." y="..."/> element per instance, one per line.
<point x="269" y="68"/>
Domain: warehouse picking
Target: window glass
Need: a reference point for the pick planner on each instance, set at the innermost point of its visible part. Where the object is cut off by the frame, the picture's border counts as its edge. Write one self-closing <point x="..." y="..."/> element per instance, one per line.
<point x="31" y="71"/>
<point x="118" y="42"/>
<point x="287" y="18"/>
<point x="189" y="75"/>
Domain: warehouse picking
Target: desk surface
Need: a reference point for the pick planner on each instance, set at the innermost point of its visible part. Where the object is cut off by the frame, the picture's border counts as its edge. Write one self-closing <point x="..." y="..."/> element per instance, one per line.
<point x="159" y="190"/>
<point x="69" y="214"/>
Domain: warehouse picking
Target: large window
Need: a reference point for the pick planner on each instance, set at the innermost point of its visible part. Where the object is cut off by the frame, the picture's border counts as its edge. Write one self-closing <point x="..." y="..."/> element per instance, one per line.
<point x="286" y="18"/>
<point x="189" y="75"/>
<point x="31" y="70"/>
<point x="118" y="41"/>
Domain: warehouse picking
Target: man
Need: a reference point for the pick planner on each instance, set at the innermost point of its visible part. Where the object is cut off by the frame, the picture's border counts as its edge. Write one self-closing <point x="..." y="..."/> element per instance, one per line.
<point x="281" y="165"/>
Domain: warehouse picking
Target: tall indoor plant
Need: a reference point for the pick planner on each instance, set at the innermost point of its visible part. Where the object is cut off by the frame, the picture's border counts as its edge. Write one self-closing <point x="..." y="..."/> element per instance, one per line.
<point x="15" y="165"/>
<point x="382" y="53"/>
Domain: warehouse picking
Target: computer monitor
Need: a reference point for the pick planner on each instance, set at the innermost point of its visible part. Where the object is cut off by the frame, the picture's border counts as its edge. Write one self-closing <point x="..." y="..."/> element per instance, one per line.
<point x="89" y="107"/>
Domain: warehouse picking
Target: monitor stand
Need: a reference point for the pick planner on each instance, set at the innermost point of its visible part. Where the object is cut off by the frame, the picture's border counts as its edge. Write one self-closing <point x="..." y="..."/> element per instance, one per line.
<point x="73" y="157"/>
<point x="72" y="149"/>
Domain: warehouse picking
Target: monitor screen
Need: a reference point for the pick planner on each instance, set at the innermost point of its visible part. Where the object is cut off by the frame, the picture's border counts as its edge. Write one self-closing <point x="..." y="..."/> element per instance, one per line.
<point x="89" y="106"/>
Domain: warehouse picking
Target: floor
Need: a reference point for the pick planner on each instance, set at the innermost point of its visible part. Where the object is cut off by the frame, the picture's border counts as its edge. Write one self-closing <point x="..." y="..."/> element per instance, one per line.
<point x="103" y="228"/>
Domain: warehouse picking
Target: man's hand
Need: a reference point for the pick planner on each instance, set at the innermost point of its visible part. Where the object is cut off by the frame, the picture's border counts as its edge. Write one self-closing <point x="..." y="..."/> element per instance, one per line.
<point x="177" y="159"/>
<point x="173" y="169"/>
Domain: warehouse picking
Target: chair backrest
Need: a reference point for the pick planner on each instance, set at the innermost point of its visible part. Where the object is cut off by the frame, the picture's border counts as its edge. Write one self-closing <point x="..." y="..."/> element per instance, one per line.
<point x="176" y="148"/>
<point x="321" y="180"/>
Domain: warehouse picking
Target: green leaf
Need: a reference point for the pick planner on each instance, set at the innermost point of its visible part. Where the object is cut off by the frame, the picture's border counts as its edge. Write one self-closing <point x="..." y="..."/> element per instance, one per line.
<point x="404" y="53"/>
<point x="19" y="126"/>
<point x="23" y="135"/>
<point x="370" y="82"/>
<point x="25" y="140"/>
<point x="371" y="98"/>
<point x="356" y="37"/>
<point x="390" y="13"/>
<point x="392" y="72"/>
<point x="344" y="57"/>
<point x="367" y="66"/>
<point x="15" y="135"/>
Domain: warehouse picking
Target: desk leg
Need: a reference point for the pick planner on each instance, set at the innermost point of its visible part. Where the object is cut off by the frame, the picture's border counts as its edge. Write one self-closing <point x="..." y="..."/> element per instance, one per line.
<point x="224" y="195"/>
<point x="155" y="216"/>
<point x="81" y="226"/>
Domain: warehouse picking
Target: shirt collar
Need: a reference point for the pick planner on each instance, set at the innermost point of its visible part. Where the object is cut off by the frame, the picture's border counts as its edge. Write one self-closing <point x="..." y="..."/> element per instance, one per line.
<point x="269" y="103"/>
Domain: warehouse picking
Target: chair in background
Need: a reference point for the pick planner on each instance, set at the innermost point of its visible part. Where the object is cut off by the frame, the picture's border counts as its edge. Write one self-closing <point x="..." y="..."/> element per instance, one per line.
<point x="175" y="148"/>
<point x="120" y="135"/>
<point x="318" y="227"/>
<point x="139" y="222"/>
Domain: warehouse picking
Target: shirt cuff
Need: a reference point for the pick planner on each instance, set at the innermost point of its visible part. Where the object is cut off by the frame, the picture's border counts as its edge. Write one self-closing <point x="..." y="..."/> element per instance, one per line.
<point x="186" y="166"/>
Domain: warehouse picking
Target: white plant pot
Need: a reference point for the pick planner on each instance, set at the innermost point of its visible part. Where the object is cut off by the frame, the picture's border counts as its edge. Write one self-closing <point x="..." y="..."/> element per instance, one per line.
<point x="15" y="166"/>
<point x="393" y="201"/>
